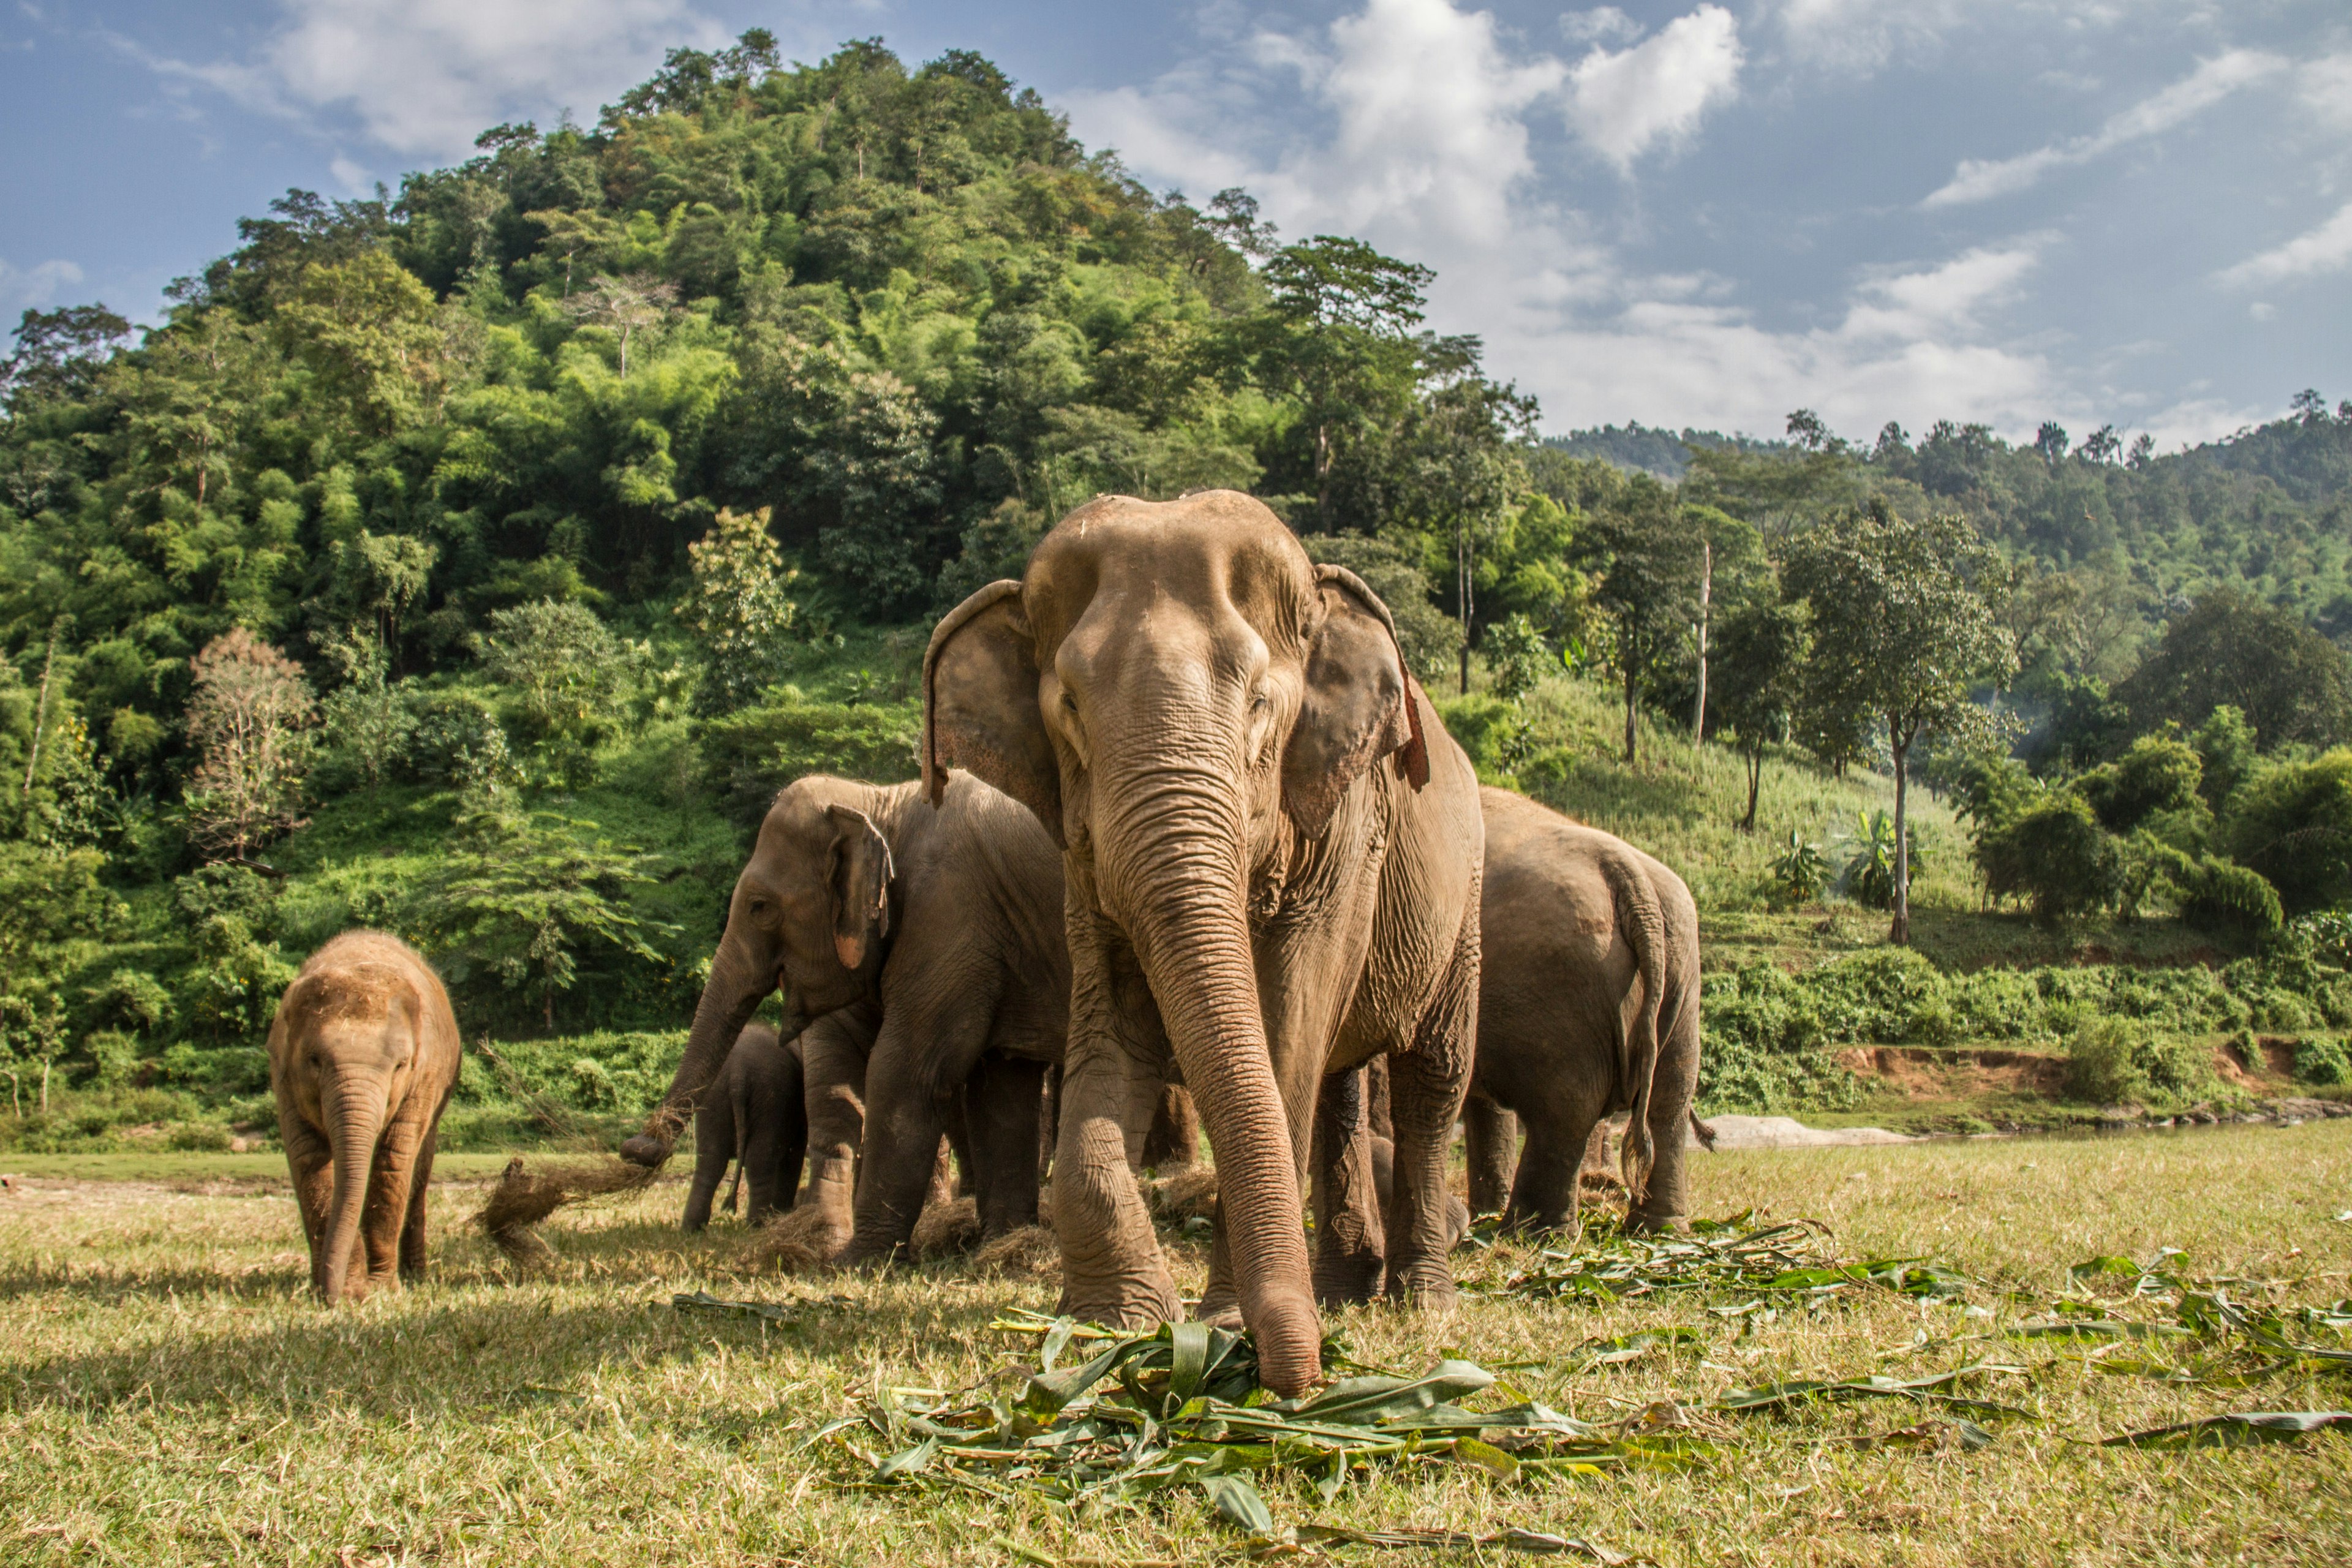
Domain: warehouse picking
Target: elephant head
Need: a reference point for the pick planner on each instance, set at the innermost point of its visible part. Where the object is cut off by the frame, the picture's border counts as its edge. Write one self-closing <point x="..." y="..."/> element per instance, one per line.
<point x="1182" y="696"/>
<point x="345" y="1045"/>
<point x="809" y="915"/>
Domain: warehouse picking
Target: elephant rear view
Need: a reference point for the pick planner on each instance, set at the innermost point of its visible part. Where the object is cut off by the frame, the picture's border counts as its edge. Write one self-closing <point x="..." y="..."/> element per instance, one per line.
<point x="362" y="1057"/>
<point x="1589" y="1004"/>
<point x="756" y="1114"/>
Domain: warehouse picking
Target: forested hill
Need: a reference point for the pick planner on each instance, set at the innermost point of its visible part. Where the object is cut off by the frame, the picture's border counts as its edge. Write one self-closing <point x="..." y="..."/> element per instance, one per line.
<point x="2268" y="509"/>
<point x="884" y="303"/>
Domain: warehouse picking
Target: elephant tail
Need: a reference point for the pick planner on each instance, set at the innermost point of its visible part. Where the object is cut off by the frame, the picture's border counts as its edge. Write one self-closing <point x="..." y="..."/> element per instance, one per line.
<point x="1643" y="925"/>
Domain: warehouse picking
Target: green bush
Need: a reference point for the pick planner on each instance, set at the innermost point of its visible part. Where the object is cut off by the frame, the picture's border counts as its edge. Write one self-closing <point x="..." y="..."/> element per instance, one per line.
<point x="2322" y="1060"/>
<point x="2157" y="775"/>
<point x="2055" y="855"/>
<point x="2223" y="895"/>
<point x="2101" y="1064"/>
<point x="2293" y="823"/>
<point x="2113" y="1061"/>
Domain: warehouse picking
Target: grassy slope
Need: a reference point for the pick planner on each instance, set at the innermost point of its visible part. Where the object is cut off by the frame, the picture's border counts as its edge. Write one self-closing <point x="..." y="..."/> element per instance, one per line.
<point x="170" y="1398"/>
<point x="1682" y="804"/>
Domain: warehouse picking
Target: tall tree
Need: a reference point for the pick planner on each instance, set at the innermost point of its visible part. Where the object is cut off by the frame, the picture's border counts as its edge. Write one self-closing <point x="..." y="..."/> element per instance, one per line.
<point x="1466" y="472"/>
<point x="1901" y="631"/>
<point x="246" y="718"/>
<point x="1761" y="647"/>
<point x="1341" y="342"/>
<point x="2230" y="650"/>
<point x="1647" y="546"/>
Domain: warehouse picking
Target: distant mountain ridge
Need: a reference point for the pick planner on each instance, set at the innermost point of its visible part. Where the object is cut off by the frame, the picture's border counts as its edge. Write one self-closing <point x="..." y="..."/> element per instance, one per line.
<point x="2305" y="453"/>
<point x="1639" y="448"/>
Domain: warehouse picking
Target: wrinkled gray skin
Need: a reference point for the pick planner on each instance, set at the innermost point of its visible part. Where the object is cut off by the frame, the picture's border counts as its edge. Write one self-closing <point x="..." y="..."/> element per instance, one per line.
<point x="1589" y="1004"/>
<point x="755" y="1114"/>
<point x="362" y="1057"/>
<point x="923" y="949"/>
<point x="1271" y="853"/>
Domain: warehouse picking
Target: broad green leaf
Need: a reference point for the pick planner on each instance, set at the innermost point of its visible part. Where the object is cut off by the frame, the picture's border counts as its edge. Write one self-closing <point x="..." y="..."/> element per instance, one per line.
<point x="1239" y="1505"/>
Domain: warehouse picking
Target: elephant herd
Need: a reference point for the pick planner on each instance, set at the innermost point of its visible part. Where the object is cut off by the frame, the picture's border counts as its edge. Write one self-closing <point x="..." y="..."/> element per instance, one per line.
<point x="1184" y="820"/>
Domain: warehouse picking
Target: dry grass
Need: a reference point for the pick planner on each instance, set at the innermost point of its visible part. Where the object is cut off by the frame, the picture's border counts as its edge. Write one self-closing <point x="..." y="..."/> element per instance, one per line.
<point x="169" y="1395"/>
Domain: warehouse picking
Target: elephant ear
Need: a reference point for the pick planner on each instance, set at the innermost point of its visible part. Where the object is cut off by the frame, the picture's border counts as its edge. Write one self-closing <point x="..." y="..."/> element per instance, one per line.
<point x="859" y="875"/>
<point x="1360" y="705"/>
<point x="980" y="705"/>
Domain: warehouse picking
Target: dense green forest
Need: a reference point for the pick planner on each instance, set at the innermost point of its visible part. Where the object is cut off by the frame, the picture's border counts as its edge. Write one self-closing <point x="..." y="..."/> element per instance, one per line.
<point x="475" y="561"/>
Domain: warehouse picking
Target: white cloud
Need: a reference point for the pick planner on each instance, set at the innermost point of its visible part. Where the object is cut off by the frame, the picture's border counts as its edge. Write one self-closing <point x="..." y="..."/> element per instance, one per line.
<point x="1598" y="25"/>
<point x="423" y="76"/>
<point x="2325" y="86"/>
<point x="1657" y="91"/>
<point x="1864" y="35"/>
<point x="1423" y="151"/>
<point x="1425" y="139"/>
<point x="1981" y="179"/>
<point x="1943" y="298"/>
<point x="350" y="176"/>
<point x="32" y="287"/>
<point x="2328" y="248"/>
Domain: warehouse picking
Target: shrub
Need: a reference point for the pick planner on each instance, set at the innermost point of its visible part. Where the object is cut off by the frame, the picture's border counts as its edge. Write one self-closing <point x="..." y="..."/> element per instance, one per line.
<point x="2293" y="823"/>
<point x="2322" y="1060"/>
<point x="2158" y="773"/>
<point x="2100" y="1064"/>
<point x="199" y="1137"/>
<point x="1799" y="872"/>
<point x="2111" y="1061"/>
<point x="2054" y="855"/>
<point x="2220" y="895"/>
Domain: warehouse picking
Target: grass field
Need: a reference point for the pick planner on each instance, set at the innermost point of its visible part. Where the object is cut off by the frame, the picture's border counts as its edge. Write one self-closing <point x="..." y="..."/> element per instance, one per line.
<point x="167" y="1395"/>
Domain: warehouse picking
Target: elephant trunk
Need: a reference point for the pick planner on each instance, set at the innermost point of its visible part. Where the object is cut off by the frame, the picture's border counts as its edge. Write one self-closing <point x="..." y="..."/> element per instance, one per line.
<point x="735" y="988"/>
<point x="355" y="1113"/>
<point x="1190" y="930"/>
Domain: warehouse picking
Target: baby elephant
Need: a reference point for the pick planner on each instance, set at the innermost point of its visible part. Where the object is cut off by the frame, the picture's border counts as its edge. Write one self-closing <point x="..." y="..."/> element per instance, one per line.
<point x="363" y="1055"/>
<point x="755" y="1111"/>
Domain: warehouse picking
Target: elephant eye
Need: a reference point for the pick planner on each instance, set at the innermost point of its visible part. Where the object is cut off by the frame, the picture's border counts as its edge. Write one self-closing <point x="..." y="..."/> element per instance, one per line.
<point x="1069" y="704"/>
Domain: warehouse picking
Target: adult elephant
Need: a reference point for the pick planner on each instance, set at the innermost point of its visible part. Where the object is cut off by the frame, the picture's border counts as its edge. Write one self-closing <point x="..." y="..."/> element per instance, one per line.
<point x="1589" y="1004"/>
<point x="921" y="957"/>
<point x="1271" y="848"/>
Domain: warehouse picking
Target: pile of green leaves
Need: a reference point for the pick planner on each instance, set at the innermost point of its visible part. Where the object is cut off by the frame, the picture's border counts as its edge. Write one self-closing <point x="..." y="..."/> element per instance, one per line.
<point x="1108" y="1417"/>
<point x="1181" y="1405"/>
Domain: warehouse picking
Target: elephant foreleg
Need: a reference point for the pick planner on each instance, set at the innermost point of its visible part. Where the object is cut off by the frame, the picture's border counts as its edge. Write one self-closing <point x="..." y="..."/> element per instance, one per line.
<point x="714" y="1147"/>
<point x="833" y="1051"/>
<point x="311" y="1163"/>
<point x="412" y="1234"/>
<point x="390" y="1179"/>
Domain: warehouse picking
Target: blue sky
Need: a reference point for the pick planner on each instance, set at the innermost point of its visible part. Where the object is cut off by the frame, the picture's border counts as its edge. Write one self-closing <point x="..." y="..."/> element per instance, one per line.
<point x="2135" y="211"/>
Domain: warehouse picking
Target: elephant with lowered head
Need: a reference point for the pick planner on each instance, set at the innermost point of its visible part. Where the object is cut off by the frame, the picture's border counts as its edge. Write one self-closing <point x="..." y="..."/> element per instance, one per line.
<point x="920" y="955"/>
<point x="1271" y="849"/>
<point x="1589" y="1004"/>
<point x="363" y="1055"/>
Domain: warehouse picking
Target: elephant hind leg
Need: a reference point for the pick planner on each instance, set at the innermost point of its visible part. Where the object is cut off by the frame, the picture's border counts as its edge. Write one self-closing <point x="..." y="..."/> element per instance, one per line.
<point x="1349" y="1261"/>
<point x="1545" y="1196"/>
<point x="1492" y="1135"/>
<point x="1426" y="1086"/>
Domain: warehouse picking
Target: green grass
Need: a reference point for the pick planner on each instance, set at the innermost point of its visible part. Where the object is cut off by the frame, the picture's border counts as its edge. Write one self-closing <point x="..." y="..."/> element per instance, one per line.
<point x="168" y="1396"/>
